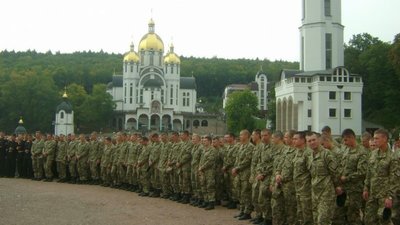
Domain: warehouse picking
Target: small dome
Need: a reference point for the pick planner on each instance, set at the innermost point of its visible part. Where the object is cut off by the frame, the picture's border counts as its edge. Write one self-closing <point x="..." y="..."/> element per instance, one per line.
<point x="20" y="130"/>
<point x="171" y="57"/>
<point x="151" y="41"/>
<point x="131" y="56"/>
<point x="66" y="106"/>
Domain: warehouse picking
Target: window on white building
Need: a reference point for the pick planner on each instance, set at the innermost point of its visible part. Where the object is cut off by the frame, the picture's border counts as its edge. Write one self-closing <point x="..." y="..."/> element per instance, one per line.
<point x="309" y="127"/>
<point x="328" y="8"/>
<point x="204" y="123"/>
<point x="347" y="95"/>
<point x="309" y="96"/>
<point x="328" y="50"/>
<point x="332" y="95"/>
<point x="62" y="115"/>
<point x="332" y="113"/>
<point x="347" y="113"/>
<point x="309" y="113"/>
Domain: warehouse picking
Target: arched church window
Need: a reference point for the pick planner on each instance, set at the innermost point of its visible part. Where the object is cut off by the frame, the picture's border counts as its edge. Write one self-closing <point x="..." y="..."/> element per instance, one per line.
<point x="196" y="123"/>
<point x="204" y="123"/>
<point x="62" y="115"/>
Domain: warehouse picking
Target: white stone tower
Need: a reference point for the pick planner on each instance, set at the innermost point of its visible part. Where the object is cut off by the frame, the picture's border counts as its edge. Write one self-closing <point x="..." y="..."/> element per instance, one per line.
<point x="64" y="117"/>
<point x="321" y="35"/>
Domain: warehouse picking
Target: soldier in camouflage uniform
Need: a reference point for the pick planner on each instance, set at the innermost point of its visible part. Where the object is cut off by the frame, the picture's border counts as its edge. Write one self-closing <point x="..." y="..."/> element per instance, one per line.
<point x="284" y="176"/>
<point x="131" y="173"/>
<point x="302" y="179"/>
<point x="196" y="153"/>
<point x="71" y="157"/>
<point x="324" y="181"/>
<point x="255" y="184"/>
<point x="228" y="163"/>
<point x="382" y="180"/>
<point x="153" y="164"/>
<point x="105" y="166"/>
<point x="61" y="158"/>
<point x="183" y="167"/>
<point x="352" y="176"/>
<point x="264" y="175"/>
<point x="82" y="153"/>
<point x="277" y="198"/>
<point x="219" y="175"/>
<point x="95" y="152"/>
<point x="37" y="158"/>
<point x="162" y="166"/>
<point x="122" y="161"/>
<point x="207" y="172"/>
<point x="114" y="163"/>
<point x="143" y="167"/>
<point x="171" y="169"/>
<point x="339" y="216"/>
<point x="242" y="171"/>
<point x="48" y="153"/>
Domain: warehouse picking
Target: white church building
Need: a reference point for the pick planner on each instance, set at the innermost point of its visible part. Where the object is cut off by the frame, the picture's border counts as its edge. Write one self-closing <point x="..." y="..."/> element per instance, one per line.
<point x="64" y="123"/>
<point x="322" y="92"/>
<point x="150" y="94"/>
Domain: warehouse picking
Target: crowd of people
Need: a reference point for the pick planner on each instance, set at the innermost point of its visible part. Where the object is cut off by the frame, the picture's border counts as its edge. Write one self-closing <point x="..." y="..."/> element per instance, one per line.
<point x="290" y="178"/>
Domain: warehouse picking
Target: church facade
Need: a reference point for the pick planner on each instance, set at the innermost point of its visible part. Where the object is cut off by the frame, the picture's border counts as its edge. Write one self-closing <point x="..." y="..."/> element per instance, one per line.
<point x="322" y="92"/>
<point x="150" y="94"/>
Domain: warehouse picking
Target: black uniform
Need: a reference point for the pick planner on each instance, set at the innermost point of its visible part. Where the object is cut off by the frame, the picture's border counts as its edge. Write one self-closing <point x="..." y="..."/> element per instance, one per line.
<point x="3" y="154"/>
<point x="20" y="157"/>
<point x="11" y="158"/>
<point x="27" y="164"/>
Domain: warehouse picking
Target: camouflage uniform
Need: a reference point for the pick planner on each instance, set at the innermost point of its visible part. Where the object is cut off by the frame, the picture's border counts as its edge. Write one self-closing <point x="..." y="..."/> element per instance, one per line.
<point x="106" y="164"/>
<point x="37" y="158"/>
<point x="207" y="175"/>
<point x="302" y="184"/>
<point x="184" y="159"/>
<point x="277" y="198"/>
<point x="122" y="162"/>
<point x="381" y="182"/>
<point x="219" y="175"/>
<point x="72" y="163"/>
<point x="288" y="187"/>
<point x="228" y="163"/>
<point x="162" y="167"/>
<point x="61" y="159"/>
<point x="264" y="168"/>
<point x="255" y="184"/>
<point x="143" y="166"/>
<point x="243" y="164"/>
<point x="95" y="151"/>
<point x="194" y="174"/>
<point x="353" y="167"/>
<point x="82" y="153"/>
<point x="114" y="166"/>
<point x="49" y="151"/>
<point x="323" y="183"/>
<point x="172" y="170"/>
<point x="153" y="163"/>
<point x="131" y="172"/>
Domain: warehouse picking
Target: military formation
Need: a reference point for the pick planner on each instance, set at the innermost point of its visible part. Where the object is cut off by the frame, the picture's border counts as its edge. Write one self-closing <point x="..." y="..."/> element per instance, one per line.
<point x="290" y="178"/>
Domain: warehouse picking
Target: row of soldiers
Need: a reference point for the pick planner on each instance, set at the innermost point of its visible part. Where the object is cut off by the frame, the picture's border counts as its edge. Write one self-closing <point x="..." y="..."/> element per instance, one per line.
<point x="281" y="178"/>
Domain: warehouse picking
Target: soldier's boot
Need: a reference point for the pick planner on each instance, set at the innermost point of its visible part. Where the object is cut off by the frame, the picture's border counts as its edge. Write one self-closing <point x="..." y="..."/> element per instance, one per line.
<point x="198" y="202"/>
<point x="246" y="216"/>
<point x="239" y="215"/>
<point x="158" y="193"/>
<point x="266" y="222"/>
<point x="210" y="206"/>
<point x="185" y="199"/>
<point x="204" y="205"/>
<point x="231" y="205"/>
<point x="193" y="201"/>
<point x="182" y="198"/>
<point x="257" y="220"/>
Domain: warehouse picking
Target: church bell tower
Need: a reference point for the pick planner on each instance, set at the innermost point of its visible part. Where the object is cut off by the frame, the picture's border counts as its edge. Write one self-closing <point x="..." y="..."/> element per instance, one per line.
<point x="321" y="35"/>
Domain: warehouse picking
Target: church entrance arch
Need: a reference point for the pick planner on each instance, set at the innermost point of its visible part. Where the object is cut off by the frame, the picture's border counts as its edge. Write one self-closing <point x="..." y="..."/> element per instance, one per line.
<point x="177" y="125"/>
<point x="131" y="124"/>
<point x="143" y="122"/>
<point x="166" y="123"/>
<point x="155" y="122"/>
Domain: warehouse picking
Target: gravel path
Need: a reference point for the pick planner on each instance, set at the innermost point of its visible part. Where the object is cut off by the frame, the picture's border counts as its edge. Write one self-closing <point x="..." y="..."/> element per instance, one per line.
<point x="26" y="202"/>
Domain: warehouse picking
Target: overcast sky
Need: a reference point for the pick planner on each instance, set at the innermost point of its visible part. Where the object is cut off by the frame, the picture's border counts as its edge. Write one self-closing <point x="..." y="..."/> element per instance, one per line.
<point x="202" y="28"/>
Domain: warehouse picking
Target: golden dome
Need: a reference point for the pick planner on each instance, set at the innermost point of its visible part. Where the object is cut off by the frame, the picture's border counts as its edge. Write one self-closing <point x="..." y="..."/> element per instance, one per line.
<point x="131" y="56"/>
<point x="151" y="41"/>
<point x="171" y="57"/>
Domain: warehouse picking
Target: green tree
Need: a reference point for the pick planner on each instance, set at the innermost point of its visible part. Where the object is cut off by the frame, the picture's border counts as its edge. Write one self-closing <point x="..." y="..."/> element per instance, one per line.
<point x="77" y="96"/>
<point x="240" y="110"/>
<point x="97" y="110"/>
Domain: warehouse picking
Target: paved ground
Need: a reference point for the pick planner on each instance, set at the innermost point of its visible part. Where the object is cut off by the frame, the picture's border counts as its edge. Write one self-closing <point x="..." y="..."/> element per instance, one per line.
<point x="26" y="202"/>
